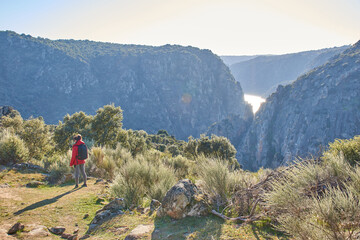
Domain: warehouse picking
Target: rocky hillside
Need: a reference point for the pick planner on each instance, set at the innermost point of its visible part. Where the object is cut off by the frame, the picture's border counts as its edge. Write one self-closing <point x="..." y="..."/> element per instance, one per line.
<point x="181" y="89"/>
<point x="302" y="118"/>
<point x="261" y="75"/>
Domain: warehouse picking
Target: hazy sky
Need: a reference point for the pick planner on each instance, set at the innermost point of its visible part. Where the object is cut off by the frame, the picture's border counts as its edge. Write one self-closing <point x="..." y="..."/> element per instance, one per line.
<point x="227" y="27"/>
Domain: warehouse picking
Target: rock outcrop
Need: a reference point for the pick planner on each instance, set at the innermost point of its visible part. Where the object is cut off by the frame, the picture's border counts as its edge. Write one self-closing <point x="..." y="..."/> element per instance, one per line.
<point x="182" y="200"/>
<point x="181" y="89"/>
<point x="302" y="118"/>
<point x="110" y="210"/>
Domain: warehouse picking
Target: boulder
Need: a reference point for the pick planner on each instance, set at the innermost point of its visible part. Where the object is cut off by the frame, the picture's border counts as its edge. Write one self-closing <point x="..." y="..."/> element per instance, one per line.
<point x="112" y="209"/>
<point x="69" y="236"/>
<point x="115" y="205"/>
<point x="183" y="200"/>
<point x="57" y="230"/>
<point x="140" y="232"/>
<point x="84" y="237"/>
<point x="37" y="231"/>
<point x="16" y="227"/>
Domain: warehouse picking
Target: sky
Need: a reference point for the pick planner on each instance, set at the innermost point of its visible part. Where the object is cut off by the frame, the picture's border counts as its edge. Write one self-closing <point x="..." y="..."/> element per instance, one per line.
<point x="226" y="27"/>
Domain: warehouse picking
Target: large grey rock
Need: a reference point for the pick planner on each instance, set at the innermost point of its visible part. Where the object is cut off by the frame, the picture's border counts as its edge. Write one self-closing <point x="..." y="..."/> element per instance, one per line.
<point x="140" y="232"/>
<point x="182" y="200"/>
<point x="112" y="209"/>
<point x="302" y="118"/>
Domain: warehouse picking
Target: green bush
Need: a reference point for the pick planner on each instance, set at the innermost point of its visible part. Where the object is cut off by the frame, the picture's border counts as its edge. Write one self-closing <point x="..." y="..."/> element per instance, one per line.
<point x="349" y="147"/>
<point x="12" y="148"/>
<point x="57" y="165"/>
<point x="181" y="165"/>
<point x="36" y="135"/>
<point x="141" y="178"/>
<point x="107" y="161"/>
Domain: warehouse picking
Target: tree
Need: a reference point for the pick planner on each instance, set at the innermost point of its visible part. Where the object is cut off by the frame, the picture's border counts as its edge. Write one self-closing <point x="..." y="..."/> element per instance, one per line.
<point x="134" y="141"/>
<point x="212" y="147"/>
<point x="13" y="122"/>
<point x="190" y="149"/>
<point x="35" y="133"/>
<point x="106" y="125"/>
<point x="79" y="122"/>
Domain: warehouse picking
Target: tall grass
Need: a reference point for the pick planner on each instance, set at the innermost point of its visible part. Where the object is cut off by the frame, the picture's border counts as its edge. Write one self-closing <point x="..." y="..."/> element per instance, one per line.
<point x="317" y="200"/>
<point x="139" y="178"/>
<point x="106" y="162"/>
<point x="219" y="179"/>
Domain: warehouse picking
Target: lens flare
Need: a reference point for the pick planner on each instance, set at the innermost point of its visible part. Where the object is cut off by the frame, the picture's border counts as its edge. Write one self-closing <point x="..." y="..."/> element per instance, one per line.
<point x="186" y="98"/>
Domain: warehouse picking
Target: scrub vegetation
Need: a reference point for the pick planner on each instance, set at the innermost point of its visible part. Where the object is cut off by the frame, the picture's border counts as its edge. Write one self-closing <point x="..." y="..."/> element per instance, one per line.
<point x="309" y="199"/>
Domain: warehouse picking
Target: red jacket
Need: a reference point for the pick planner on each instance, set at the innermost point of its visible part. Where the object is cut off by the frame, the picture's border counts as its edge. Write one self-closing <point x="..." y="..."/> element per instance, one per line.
<point x="74" y="160"/>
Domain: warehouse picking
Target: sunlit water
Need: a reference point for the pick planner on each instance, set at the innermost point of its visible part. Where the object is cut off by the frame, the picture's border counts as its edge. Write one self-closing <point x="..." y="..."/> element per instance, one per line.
<point x="255" y="101"/>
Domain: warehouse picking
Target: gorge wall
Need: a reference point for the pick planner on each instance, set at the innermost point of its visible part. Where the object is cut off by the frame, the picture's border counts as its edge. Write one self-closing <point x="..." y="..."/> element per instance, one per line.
<point x="262" y="74"/>
<point x="181" y="89"/>
<point x="300" y="119"/>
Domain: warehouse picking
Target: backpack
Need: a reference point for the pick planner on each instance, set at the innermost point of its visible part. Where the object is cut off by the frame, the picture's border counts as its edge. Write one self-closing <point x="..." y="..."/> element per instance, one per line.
<point x="82" y="152"/>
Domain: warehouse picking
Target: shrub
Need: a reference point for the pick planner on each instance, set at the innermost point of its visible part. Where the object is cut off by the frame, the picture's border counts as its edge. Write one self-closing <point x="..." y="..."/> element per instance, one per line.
<point x="174" y="150"/>
<point x="57" y="166"/>
<point x="219" y="181"/>
<point x="181" y="166"/>
<point x="37" y="137"/>
<point x="141" y="178"/>
<point x="349" y="147"/>
<point x="12" y="148"/>
<point x="317" y="200"/>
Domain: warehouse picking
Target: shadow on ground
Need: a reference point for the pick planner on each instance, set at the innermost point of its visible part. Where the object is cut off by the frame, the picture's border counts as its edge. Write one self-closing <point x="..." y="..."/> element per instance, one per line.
<point x="44" y="202"/>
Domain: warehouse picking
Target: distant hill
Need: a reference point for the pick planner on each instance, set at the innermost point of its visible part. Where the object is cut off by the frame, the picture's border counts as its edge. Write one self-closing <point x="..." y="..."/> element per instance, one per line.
<point x="181" y="89"/>
<point x="302" y="118"/>
<point x="261" y="75"/>
<point x="230" y="60"/>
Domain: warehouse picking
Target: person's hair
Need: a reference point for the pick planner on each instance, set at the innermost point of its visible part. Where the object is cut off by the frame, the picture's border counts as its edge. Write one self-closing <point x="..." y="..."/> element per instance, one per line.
<point x="77" y="137"/>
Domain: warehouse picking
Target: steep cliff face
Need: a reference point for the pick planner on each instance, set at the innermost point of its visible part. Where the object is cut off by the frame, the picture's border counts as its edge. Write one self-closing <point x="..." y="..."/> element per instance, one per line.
<point x="302" y="118"/>
<point x="261" y="75"/>
<point x="181" y="89"/>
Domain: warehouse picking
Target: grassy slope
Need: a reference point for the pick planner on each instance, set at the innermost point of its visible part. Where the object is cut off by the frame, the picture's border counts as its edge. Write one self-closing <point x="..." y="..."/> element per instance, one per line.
<point x="62" y="206"/>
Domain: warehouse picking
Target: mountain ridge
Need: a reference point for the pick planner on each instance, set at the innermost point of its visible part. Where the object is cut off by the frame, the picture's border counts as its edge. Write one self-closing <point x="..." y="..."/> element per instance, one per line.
<point x="262" y="74"/>
<point x="300" y="119"/>
<point x="167" y="87"/>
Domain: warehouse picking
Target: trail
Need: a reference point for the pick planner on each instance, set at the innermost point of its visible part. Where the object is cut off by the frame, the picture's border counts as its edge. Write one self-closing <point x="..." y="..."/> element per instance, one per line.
<point x="50" y="206"/>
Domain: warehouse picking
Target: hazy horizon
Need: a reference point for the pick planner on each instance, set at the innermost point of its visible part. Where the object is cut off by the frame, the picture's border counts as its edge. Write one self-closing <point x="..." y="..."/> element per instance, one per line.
<point x="227" y="28"/>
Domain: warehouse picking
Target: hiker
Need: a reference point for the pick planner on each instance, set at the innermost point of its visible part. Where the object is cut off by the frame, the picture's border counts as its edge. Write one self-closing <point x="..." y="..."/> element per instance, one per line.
<point x="79" y="154"/>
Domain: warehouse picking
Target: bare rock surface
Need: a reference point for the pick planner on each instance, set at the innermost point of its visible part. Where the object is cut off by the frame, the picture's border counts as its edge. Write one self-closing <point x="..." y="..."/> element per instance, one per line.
<point x="140" y="232"/>
<point x="181" y="201"/>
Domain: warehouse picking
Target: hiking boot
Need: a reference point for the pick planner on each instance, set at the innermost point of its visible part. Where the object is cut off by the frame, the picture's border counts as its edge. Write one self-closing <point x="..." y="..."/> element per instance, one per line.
<point x="84" y="185"/>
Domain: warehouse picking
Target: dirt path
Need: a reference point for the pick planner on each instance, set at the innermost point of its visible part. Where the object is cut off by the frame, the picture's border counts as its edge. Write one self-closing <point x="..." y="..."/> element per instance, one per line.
<point x="50" y="206"/>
